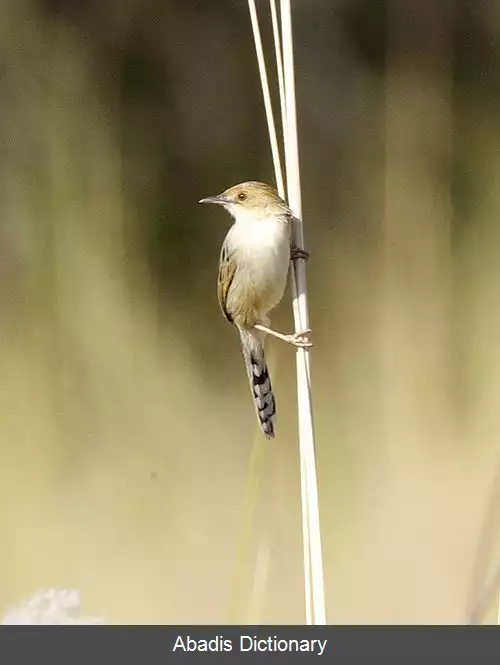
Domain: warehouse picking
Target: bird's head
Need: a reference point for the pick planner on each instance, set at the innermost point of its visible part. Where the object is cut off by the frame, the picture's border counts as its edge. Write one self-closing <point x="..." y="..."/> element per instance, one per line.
<point x="251" y="200"/>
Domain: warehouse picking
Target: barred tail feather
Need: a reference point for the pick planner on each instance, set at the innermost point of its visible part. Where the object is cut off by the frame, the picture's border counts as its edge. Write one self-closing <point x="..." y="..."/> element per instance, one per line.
<point x="260" y="383"/>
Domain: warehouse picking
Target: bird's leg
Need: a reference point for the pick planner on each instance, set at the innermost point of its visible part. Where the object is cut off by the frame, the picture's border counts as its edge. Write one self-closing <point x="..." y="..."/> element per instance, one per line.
<point x="298" y="253"/>
<point x="300" y="339"/>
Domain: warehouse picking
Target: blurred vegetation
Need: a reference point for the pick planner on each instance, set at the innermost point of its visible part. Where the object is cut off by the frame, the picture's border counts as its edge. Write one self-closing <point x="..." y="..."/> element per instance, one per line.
<point x="126" y="424"/>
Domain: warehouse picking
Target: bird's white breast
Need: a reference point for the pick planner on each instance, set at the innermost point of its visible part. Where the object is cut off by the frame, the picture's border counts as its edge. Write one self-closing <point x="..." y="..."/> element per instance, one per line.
<point x="262" y="250"/>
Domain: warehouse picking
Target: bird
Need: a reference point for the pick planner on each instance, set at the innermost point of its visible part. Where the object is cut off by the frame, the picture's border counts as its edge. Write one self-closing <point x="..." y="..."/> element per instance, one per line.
<point x="253" y="270"/>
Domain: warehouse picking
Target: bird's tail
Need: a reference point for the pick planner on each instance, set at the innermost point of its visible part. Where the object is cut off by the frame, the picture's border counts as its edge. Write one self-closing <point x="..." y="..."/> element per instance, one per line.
<point x="260" y="383"/>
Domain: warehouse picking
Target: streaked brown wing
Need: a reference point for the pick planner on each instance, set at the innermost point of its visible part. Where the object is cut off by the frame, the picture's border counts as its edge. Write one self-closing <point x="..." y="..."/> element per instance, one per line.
<point x="227" y="270"/>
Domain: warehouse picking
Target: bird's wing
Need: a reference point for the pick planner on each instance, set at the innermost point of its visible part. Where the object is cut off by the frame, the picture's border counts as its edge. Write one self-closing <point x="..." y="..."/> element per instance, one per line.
<point x="227" y="270"/>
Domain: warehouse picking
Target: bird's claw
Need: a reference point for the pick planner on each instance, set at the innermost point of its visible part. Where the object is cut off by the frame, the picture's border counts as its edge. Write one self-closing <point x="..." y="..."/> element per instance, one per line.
<point x="300" y="339"/>
<point x="298" y="253"/>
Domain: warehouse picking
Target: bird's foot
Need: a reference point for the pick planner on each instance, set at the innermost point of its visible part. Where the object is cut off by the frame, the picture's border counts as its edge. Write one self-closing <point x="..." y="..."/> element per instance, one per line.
<point x="298" y="253"/>
<point x="301" y="340"/>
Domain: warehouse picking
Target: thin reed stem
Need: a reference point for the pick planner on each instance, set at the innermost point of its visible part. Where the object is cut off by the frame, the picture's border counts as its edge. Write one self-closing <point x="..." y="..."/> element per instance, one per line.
<point x="271" y="126"/>
<point x="313" y="561"/>
<point x="279" y="68"/>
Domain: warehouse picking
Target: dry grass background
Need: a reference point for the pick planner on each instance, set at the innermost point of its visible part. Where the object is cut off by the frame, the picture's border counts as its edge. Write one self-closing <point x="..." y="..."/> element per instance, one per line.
<point x="126" y="426"/>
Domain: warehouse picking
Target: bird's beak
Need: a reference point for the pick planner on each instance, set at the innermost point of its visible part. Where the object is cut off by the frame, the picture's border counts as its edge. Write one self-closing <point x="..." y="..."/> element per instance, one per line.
<point x="220" y="200"/>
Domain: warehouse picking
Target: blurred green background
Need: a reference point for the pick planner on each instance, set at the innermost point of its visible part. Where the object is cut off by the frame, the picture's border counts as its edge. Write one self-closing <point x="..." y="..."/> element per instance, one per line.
<point x="126" y="423"/>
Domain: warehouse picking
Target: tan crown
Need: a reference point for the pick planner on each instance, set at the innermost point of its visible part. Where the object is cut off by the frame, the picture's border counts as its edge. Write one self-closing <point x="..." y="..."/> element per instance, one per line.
<point x="252" y="196"/>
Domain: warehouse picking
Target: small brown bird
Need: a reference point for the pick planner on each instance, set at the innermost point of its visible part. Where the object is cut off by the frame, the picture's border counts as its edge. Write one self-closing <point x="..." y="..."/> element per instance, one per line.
<point x="253" y="270"/>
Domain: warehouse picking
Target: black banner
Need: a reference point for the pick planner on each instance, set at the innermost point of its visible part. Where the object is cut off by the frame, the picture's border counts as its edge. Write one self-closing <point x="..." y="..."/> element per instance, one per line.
<point x="153" y="645"/>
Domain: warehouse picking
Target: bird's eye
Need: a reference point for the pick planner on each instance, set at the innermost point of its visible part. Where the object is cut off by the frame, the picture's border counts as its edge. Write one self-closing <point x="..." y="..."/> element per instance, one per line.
<point x="242" y="196"/>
